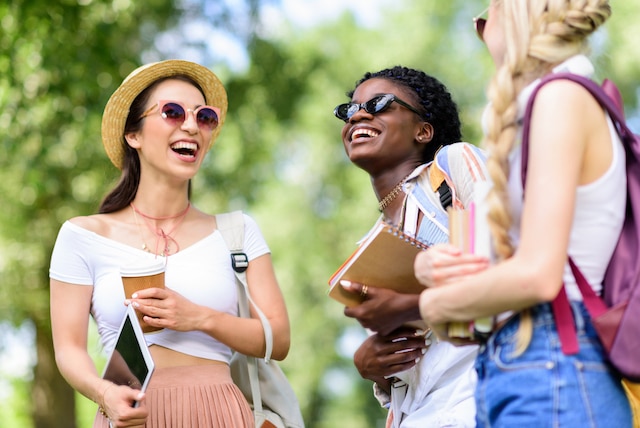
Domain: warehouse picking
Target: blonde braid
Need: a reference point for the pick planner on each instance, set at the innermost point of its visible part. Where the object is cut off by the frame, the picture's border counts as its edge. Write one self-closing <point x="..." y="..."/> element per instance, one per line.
<point x="539" y="34"/>
<point x="499" y="140"/>
<point x="563" y="27"/>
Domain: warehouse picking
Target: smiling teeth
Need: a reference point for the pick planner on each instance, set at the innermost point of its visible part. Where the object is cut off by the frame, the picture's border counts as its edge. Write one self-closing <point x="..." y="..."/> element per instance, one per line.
<point x="184" y="146"/>
<point x="363" y="132"/>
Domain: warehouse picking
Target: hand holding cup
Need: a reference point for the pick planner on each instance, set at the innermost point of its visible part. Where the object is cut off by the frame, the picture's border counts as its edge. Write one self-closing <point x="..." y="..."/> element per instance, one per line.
<point x="139" y="276"/>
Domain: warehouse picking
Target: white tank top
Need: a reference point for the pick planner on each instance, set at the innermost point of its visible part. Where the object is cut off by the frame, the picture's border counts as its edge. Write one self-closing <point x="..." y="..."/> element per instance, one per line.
<point x="599" y="210"/>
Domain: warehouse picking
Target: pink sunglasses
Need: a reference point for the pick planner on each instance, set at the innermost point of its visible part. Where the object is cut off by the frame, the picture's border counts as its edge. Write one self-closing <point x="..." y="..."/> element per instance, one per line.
<point x="175" y="113"/>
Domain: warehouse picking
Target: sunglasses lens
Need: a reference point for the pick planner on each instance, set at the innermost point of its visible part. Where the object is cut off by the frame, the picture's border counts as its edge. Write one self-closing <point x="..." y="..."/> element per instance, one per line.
<point x="342" y="111"/>
<point x="173" y="113"/>
<point x="480" y="24"/>
<point x="373" y="106"/>
<point x="207" y="118"/>
<point x="378" y="104"/>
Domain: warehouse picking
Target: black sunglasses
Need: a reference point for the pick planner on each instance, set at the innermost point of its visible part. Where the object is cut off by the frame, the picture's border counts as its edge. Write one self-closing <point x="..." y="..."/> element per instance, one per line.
<point x="373" y="106"/>
<point x="480" y="23"/>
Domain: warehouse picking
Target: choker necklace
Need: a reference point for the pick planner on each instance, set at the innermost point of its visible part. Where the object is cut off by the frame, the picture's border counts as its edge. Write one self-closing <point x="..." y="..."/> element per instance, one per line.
<point x="384" y="202"/>
<point x="159" y="232"/>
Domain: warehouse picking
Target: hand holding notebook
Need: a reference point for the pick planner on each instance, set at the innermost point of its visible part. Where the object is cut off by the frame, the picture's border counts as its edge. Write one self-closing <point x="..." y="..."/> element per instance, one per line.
<point x="383" y="259"/>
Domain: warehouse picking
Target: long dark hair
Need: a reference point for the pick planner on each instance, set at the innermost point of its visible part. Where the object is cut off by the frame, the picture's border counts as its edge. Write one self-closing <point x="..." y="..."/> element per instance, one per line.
<point x="435" y="103"/>
<point x="125" y="191"/>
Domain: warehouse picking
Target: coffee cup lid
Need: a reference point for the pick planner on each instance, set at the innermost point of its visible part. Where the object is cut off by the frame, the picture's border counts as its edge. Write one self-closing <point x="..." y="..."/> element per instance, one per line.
<point x="143" y="268"/>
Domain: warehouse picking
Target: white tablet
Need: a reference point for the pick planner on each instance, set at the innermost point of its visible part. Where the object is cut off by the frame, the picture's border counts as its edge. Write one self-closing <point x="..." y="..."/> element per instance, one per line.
<point x="130" y="362"/>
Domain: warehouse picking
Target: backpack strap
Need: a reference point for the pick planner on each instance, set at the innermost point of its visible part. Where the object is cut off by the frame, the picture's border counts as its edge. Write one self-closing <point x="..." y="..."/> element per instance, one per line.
<point x="439" y="184"/>
<point x="446" y="199"/>
<point x="231" y="227"/>
<point x="612" y="103"/>
<point x="609" y="100"/>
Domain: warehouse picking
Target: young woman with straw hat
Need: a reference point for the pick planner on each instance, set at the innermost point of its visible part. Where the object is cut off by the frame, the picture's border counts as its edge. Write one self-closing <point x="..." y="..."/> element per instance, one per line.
<point x="157" y="127"/>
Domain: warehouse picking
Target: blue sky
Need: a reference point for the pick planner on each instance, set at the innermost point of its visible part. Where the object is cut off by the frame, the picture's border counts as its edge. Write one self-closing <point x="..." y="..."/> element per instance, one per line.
<point x="309" y="13"/>
<point x="274" y="16"/>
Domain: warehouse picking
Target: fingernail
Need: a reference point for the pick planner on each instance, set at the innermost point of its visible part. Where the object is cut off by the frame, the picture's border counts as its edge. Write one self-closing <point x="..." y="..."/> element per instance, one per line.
<point x="428" y="342"/>
<point x="424" y="351"/>
<point x="127" y="302"/>
<point x="417" y="360"/>
<point x="136" y="304"/>
<point x="419" y="333"/>
<point x="134" y="296"/>
<point x="345" y="283"/>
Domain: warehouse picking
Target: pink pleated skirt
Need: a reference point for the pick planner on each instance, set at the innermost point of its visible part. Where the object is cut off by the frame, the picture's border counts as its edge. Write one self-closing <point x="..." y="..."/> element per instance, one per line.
<point x="193" y="396"/>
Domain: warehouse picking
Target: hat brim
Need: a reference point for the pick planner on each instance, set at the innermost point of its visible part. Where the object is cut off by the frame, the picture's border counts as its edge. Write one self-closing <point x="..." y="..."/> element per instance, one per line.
<point x="117" y="108"/>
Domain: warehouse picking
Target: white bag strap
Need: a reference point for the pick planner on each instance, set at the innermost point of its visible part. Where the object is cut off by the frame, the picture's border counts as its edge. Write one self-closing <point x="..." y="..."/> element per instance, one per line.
<point x="231" y="227"/>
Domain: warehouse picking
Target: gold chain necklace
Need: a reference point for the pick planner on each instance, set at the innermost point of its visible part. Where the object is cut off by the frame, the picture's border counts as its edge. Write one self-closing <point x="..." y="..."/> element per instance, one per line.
<point x="144" y="244"/>
<point x="384" y="202"/>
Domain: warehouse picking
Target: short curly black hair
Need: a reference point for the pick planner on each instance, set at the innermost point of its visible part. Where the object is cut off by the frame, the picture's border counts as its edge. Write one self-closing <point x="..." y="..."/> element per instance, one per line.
<point x="436" y="104"/>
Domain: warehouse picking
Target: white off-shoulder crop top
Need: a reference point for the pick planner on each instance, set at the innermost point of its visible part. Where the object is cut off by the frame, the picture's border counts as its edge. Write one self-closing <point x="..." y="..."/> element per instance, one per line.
<point x="201" y="272"/>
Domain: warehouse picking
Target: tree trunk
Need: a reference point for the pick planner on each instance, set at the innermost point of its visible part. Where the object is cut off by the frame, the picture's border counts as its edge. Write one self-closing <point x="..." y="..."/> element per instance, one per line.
<point x="53" y="400"/>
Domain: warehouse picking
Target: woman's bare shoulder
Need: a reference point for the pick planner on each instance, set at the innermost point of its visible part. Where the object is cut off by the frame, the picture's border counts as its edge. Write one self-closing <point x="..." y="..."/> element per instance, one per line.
<point x="97" y="223"/>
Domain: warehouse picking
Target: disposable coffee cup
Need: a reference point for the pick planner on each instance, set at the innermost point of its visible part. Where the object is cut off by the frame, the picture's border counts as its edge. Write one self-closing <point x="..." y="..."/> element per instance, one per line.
<point x="139" y="276"/>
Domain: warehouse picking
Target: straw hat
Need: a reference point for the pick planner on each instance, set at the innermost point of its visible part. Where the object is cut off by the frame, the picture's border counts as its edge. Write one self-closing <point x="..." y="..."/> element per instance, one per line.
<point x="117" y="108"/>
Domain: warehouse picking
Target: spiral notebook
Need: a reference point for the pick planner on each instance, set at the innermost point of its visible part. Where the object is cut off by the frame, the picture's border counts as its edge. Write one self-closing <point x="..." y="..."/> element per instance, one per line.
<point x="383" y="259"/>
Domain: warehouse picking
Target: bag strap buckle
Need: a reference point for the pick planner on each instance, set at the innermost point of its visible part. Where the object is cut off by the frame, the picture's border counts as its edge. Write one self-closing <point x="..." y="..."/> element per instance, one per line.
<point x="240" y="262"/>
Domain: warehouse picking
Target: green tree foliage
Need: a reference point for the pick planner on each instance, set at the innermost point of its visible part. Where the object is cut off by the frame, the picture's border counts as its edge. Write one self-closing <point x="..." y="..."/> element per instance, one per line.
<point x="58" y="61"/>
<point x="312" y="204"/>
<point x="316" y="205"/>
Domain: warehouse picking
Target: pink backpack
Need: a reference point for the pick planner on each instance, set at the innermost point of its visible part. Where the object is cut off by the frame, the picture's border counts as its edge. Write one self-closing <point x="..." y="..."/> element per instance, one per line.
<point x="616" y="317"/>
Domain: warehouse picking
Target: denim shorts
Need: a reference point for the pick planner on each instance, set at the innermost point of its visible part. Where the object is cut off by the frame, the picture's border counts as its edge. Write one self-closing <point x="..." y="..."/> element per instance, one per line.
<point x="542" y="387"/>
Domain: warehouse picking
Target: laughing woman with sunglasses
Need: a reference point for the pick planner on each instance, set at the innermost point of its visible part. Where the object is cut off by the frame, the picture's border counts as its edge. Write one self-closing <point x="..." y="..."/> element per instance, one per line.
<point x="157" y="128"/>
<point x="573" y="205"/>
<point x="402" y="127"/>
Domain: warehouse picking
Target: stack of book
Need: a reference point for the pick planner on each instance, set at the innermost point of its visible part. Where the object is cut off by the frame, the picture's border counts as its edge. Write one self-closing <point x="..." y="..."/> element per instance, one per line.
<point x="469" y="231"/>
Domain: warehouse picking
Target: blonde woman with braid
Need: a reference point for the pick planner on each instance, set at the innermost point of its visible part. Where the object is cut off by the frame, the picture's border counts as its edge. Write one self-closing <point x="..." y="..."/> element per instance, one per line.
<point x="574" y="205"/>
